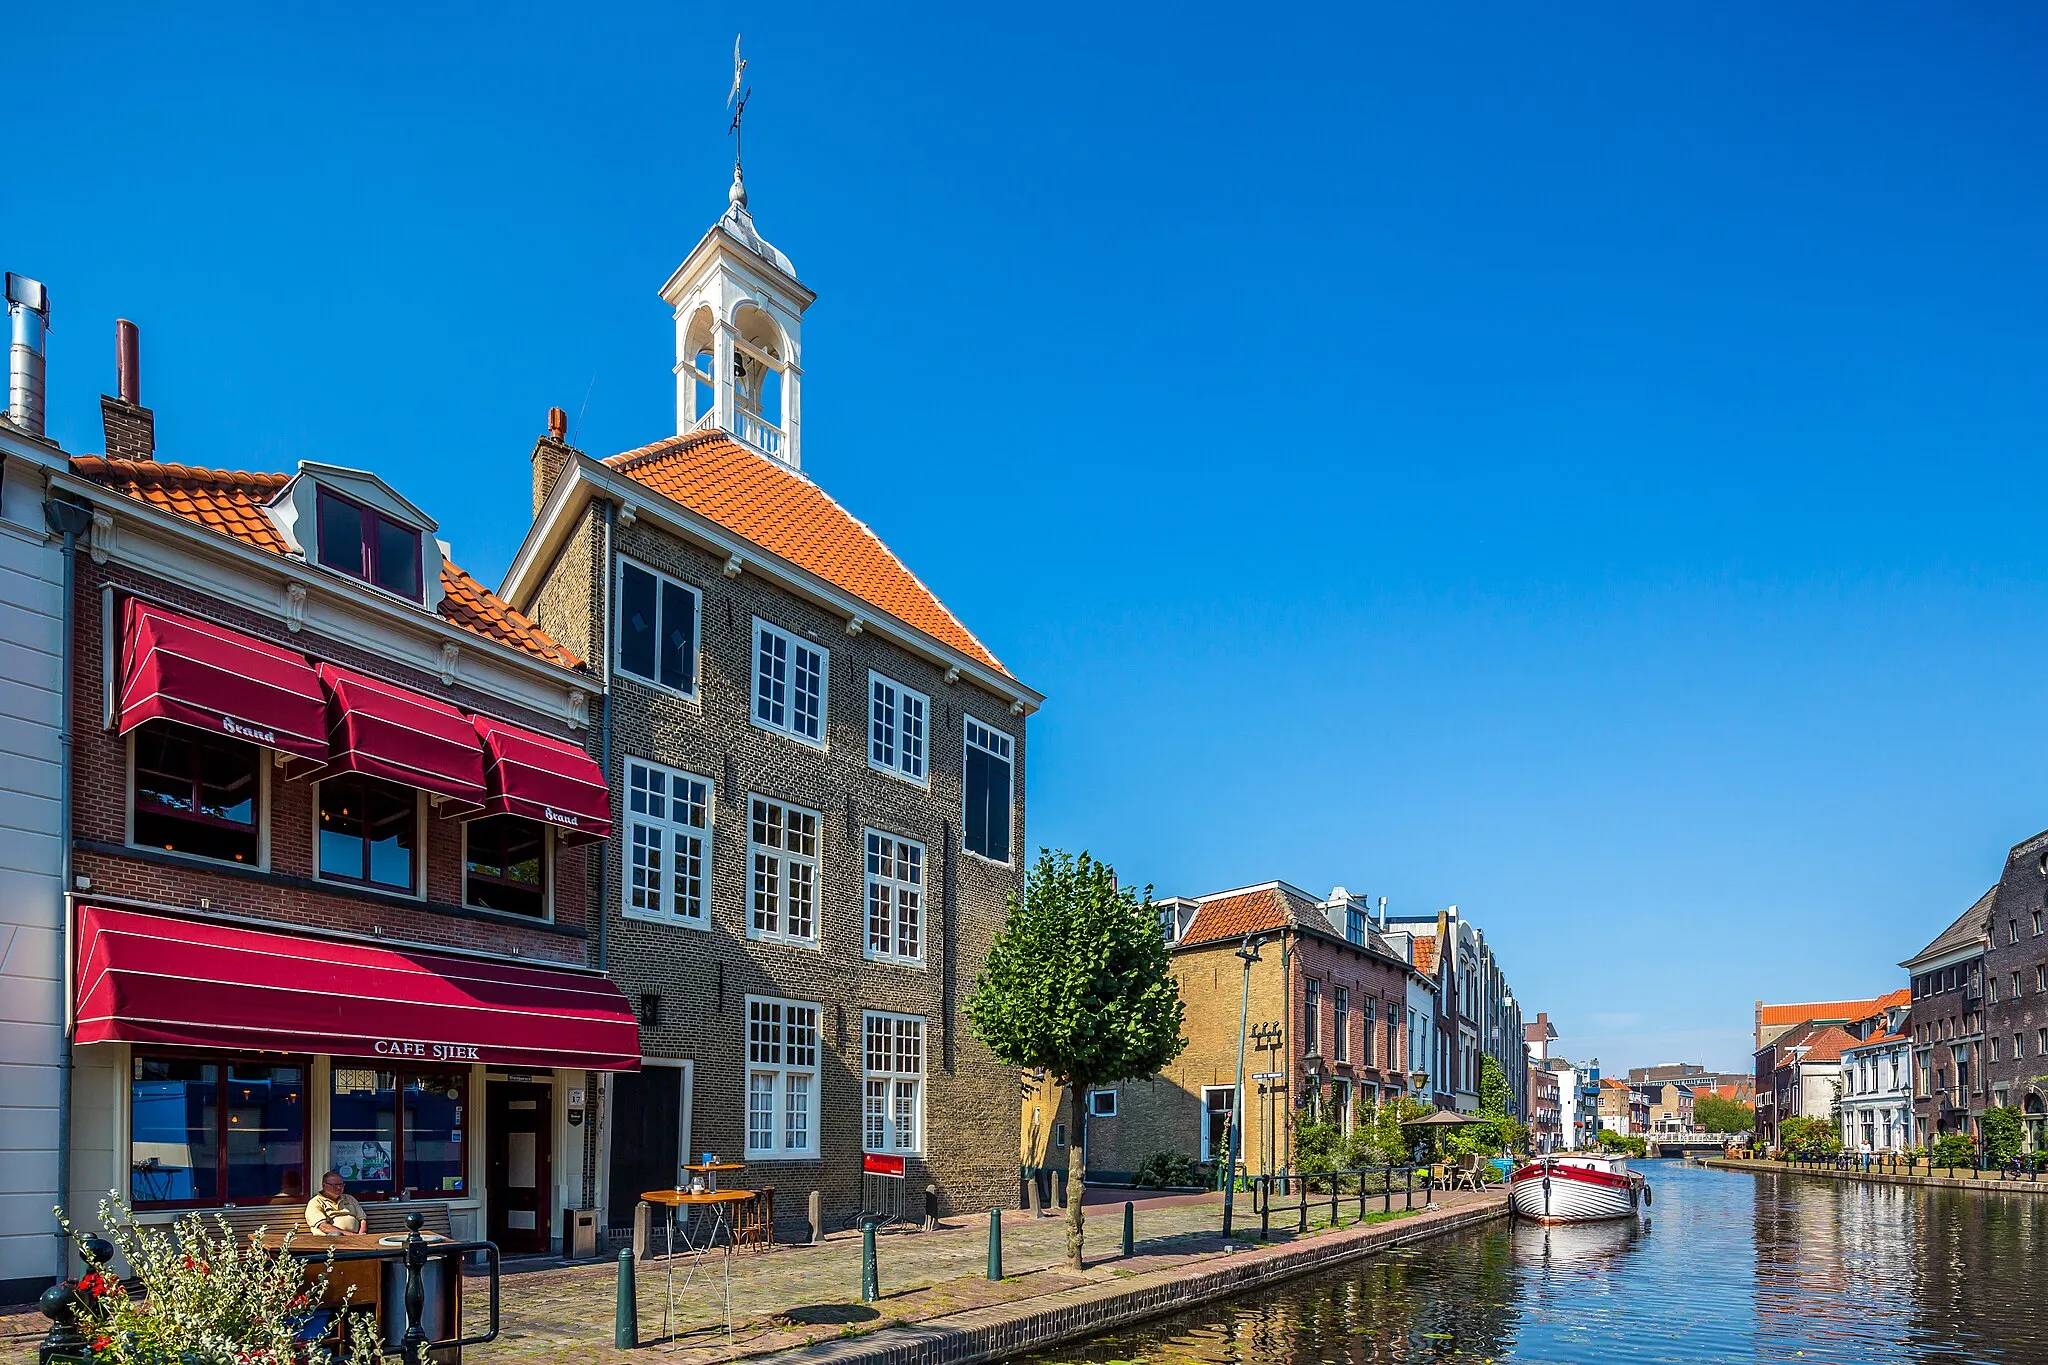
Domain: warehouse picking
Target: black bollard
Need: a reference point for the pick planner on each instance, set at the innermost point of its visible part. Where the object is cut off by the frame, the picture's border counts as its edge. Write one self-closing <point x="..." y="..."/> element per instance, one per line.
<point x="1130" y="1230"/>
<point x="64" y="1343"/>
<point x="413" y="1344"/>
<point x="626" y="1311"/>
<point x="995" y="1244"/>
<point x="870" y="1274"/>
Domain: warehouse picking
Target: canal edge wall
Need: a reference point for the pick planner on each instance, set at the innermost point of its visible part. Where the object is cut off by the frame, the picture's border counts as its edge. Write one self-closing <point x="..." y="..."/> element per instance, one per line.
<point x="999" y="1330"/>
<point x="1936" y="1182"/>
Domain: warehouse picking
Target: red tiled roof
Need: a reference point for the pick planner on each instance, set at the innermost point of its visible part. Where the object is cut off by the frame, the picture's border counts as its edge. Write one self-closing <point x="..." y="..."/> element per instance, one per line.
<point x="1232" y="916"/>
<point x="1873" y="1042"/>
<point x="231" y="501"/>
<point x="1425" y="955"/>
<point x="1827" y="1045"/>
<point x="1833" y="1009"/>
<point x="786" y="514"/>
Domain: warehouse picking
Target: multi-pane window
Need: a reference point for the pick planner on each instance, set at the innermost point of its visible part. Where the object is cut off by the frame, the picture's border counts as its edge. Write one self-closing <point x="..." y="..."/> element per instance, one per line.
<point x="505" y="865"/>
<point x="366" y="544"/>
<point x="398" y="1133"/>
<point x="1393" y="1052"/>
<point x="369" y="832"/>
<point x="895" y="896"/>
<point x="985" y="792"/>
<point x="1369" y="1007"/>
<point x="668" y="842"/>
<point x="789" y="684"/>
<point x="214" y="1131"/>
<point x="896" y="727"/>
<point x="1312" y="1017"/>
<point x="658" y="628"/>
<point x="197" y="793"/>
<point x="782" y="850"/>
<point x="892" y="1078"/>
<point x="1340" y="1007"/>
<point x="782" y="1077"/>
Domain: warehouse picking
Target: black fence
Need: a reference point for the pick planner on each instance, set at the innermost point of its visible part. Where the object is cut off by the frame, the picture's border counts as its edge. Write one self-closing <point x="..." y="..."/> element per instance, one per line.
<point x="1366" y="1188"/>
<point x="2026" y="1168"/>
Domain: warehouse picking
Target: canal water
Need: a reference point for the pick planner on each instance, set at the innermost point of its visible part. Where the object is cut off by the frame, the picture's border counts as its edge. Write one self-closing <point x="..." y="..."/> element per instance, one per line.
<point x="1726" y="1267"/>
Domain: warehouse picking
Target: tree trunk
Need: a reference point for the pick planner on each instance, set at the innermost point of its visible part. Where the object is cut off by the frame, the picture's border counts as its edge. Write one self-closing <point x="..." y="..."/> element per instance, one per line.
<point x="1077" y="1163"/>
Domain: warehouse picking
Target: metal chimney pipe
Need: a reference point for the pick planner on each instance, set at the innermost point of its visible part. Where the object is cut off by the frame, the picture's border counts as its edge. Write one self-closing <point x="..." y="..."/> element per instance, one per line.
<point x="127" y="362"/>
<point x="28" y="317"/>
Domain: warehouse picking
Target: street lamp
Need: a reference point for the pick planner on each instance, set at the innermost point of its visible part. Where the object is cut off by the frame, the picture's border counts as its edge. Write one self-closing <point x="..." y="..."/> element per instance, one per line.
<point x="1233" y="1142"/>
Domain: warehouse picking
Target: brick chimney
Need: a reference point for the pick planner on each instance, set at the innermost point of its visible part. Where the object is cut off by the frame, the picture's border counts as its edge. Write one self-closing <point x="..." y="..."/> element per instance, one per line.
<point x="131" y="428"/>
<point x="551" y="455"/>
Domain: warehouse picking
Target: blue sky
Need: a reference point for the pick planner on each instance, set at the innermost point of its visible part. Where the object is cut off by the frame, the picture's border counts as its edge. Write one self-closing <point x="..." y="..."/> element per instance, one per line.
<point x="1579" y="464"/>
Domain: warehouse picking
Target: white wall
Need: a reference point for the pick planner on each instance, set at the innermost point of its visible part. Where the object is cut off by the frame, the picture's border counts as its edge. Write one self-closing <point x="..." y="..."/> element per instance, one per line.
<point x="31" y="899"/>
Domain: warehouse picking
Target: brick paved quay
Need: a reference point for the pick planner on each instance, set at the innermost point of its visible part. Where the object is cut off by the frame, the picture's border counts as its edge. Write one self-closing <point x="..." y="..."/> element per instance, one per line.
<point x="935" y="1300"/>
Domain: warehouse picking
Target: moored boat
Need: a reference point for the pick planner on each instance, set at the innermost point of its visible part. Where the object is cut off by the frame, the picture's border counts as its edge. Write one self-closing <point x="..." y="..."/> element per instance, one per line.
<point x="1576" y="1189"/>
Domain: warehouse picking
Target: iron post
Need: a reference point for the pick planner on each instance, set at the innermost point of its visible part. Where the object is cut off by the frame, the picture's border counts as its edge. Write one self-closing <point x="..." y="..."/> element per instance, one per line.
<point x="626" y="1311"/>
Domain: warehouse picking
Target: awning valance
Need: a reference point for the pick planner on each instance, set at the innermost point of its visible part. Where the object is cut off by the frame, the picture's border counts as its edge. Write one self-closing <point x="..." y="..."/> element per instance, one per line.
<point x="544" y="779"/>
<point x="177" y="668"/>
<point x="157" y="979"/>
<point x="384" y="730"/>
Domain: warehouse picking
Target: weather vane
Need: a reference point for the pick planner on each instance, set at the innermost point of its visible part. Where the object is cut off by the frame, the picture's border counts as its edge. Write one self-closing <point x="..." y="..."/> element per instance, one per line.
<point x="737" y="99"/>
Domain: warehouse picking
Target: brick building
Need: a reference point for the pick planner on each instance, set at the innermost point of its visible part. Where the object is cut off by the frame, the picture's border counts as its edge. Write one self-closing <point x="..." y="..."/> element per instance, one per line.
<point x="329" y="890"/>
<point x="1946" y="1024"/>
<point x="2016" y="988"/>
<point x="1780" y="1029"/>
<point x="1327" y="1029"/>
<point x="820" y="773"/>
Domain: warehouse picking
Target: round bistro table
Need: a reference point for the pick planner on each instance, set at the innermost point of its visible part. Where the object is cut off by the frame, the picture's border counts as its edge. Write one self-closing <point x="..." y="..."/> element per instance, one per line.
<point x="715" y="1202"/>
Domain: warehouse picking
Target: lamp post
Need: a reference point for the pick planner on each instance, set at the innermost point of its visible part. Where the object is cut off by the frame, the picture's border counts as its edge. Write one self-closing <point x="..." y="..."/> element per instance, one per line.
<point x="1233" y="1141"/>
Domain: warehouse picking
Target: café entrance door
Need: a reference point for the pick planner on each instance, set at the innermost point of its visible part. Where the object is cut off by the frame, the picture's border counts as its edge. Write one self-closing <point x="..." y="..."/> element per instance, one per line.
<point x="518" y="1169"/>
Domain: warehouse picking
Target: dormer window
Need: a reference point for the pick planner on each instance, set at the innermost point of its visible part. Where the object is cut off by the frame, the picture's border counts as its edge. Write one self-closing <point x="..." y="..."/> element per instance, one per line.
<point x="366" y="544"/>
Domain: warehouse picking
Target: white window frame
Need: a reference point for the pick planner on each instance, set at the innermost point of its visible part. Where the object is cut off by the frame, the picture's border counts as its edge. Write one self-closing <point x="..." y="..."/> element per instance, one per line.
<point x="619" y="629"/>
<point x="893" y="868"/>
<point x="1340" y="1011"/>
<point x="1202" y="1134"/>
<point x="767" y="1037"/>
<point x="888" y="751"/>
<point x="775" y="863"/>
<point x="419" y="862"/>
<point x="968" y="725"/>
<point x="792" y="643"/>
<point x="1095" y="1111"/>
<point x="894" y="1079"/>
<point x="547" y="870"/>
<point x="263" y="767"/>
<point x="663" y="911"/>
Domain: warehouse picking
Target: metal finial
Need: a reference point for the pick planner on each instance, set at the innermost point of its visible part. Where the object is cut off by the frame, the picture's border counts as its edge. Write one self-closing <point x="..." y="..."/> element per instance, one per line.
<point x="736" y="100"/>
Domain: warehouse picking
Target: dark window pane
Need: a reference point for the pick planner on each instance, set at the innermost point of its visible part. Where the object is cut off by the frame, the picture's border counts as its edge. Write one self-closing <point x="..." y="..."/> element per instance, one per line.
<point x="369" y="831"/>
<point x="434" y="1133"/>
<point x="266" y="1134"/>
<point x="195" y="793"/>
<point x="398" y="558"/>
<point x="678" y="638"/>
<point x="173" y="1119"/>
<point x="343" y="545"/>
<point x="363" y="1128"/>
<point x="636" y="621"/>
<point x="507" y="867"/>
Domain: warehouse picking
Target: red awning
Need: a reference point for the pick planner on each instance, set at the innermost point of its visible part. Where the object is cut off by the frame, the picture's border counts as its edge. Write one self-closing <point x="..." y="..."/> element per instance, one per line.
<point x="383" y="730"/>
<point x="544" y="779"/>
<point x="196" y="673"/>
<point x="146" y="978"/>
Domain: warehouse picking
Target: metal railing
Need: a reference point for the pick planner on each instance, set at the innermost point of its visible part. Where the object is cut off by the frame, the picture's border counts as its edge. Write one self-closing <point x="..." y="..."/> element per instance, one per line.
<point x="2025" y="1169"/>
<point x="1362" y="1185"/>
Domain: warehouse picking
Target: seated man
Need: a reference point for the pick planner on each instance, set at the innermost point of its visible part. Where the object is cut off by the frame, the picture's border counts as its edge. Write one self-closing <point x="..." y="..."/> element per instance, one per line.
<point x="334" y="1211"/>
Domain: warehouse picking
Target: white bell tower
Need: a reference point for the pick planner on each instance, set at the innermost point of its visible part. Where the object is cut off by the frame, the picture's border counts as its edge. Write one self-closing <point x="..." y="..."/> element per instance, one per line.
<point x="739" y="311"/>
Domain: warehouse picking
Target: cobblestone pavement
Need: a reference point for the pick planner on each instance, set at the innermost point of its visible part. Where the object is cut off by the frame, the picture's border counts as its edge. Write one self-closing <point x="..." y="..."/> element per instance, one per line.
<point x="795" y="1295"/>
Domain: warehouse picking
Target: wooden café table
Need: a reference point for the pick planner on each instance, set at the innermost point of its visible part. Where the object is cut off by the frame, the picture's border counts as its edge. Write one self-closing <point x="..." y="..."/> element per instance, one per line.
<point x="714" y="1202"/>
<point x="360" y="1284"/>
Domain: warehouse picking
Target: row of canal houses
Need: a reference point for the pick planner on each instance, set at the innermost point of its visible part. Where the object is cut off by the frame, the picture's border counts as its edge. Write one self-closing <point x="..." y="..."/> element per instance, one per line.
<point x="318" y="853"/>
<point x="1968" y="1032"/>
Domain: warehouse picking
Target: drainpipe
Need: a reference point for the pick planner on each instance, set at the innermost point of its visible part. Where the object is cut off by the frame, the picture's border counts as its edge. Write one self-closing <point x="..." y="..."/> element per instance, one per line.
<point x="604" y="864"/>
<point x="69" y="520"/>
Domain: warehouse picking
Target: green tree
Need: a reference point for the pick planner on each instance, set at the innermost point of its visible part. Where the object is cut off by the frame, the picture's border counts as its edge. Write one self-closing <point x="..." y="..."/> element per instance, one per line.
<point x="2003" y="1129"/>
<point x="1953" y="1151"/>
<point x="1807" y="1135"/>
<point x="1622" y="1142"/>
<point x="1712" y="1114"/>
<point x="1493" y="1088"/>
<point x="1076" y="983"/>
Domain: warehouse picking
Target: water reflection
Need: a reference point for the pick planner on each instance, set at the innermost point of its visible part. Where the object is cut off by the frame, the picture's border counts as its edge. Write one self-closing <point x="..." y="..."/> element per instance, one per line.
<point x="1730" y="1268"/>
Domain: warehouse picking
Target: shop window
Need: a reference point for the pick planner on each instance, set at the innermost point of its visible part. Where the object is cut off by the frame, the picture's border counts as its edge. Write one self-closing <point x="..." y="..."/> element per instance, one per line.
<point x="197" y="793"/>
<point x="398" y="1132"/>
<point x="369" y="832"/>
<point x="209" y="1131"/>
<point x="369" y="545"/>
<point x="505" y="865"/>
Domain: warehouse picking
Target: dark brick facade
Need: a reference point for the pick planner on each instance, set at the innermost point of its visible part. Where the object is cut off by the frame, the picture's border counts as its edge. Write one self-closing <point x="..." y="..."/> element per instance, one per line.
<point x="1946" y="1024"/>
<point x="2016" y="987"/>
<point x="285" y="892"/>
<point x="702" y="977"/>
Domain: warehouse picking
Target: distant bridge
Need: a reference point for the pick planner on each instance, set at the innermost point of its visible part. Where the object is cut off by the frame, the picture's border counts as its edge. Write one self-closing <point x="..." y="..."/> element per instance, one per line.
<point x="1675" y="1144"/>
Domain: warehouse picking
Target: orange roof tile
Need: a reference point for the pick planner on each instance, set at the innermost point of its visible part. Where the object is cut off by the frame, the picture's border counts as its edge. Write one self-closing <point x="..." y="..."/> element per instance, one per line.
<point x="231" y="501"/>
<point x="1233" y="916"/>
<point x="1827" y="1045"/>
<point x="1832" y="1009"/>
<point x="1425" y="955"/>
<point x="786" y="514"/>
